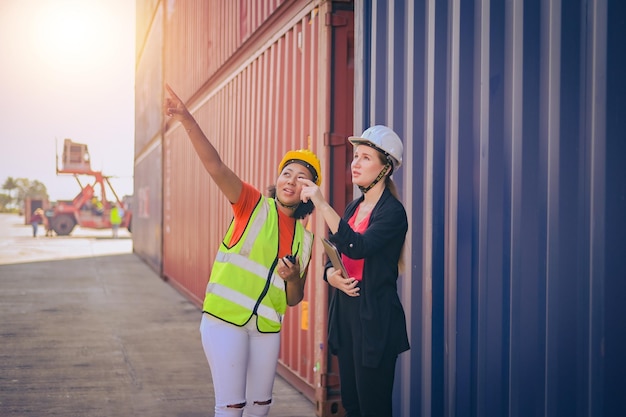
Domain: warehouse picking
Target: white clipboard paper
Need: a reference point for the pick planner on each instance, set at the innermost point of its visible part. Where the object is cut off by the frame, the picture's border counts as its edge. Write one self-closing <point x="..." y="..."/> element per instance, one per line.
<point x="334" y="256"/>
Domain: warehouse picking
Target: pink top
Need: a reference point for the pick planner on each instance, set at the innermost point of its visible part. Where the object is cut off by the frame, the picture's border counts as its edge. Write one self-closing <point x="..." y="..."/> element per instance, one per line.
<point x="354" y="267"/>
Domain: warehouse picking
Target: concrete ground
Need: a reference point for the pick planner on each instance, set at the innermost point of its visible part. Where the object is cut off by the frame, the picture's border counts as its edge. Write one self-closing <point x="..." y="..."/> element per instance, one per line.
<point x="88" y="329"/>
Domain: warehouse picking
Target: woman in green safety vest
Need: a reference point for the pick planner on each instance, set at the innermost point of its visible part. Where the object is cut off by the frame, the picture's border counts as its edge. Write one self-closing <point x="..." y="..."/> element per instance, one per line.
<point x="259" y="270"/>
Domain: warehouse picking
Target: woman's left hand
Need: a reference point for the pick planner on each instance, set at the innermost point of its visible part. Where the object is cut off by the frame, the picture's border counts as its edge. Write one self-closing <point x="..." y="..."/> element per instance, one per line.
<point x="287" y="270"/>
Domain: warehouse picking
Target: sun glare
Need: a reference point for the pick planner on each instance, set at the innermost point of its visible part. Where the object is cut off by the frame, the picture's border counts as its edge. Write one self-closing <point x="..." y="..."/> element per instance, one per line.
<point x="70" y="34"/>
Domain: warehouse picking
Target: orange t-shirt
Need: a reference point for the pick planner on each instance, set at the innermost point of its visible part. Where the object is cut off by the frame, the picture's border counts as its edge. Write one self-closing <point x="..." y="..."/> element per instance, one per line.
<point x="243" y="209"/>
<point x="354" y="267"/>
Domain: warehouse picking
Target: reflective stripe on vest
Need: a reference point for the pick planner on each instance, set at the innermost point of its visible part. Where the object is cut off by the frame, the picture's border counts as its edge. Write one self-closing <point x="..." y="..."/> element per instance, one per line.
<point x="242" y="283"/>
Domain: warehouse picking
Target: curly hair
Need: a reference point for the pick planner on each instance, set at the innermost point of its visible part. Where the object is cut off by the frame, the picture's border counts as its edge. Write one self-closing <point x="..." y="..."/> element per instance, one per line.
<point x="303" y="209"/>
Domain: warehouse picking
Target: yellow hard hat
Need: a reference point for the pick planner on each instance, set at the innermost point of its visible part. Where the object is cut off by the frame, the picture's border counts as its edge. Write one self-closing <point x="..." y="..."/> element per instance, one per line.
<point x="306" y="158"/>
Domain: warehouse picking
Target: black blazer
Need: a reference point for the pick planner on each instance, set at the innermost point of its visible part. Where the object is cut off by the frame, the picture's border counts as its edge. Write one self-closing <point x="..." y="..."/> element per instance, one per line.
<point x="382" y="316"/>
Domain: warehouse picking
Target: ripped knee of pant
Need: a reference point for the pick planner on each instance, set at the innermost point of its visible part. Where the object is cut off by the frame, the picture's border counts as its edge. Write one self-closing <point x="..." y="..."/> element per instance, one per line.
<point x="240" y="405"/>
<point x="268" y="402"/>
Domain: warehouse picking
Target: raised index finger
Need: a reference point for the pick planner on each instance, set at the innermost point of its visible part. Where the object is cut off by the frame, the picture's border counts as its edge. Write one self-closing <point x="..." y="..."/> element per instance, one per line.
<point x="171" y="92"/>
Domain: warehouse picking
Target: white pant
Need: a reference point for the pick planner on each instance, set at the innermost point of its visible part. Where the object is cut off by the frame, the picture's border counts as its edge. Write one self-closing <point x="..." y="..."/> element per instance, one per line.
<point x="243" y="366"/>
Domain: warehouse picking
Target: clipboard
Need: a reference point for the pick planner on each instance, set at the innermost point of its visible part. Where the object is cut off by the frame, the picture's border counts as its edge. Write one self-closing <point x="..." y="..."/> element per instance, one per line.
<point x="334" y="256"/>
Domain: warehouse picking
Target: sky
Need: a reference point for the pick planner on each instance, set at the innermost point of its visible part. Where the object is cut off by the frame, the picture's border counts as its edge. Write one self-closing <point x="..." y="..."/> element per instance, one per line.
<point x="67" y="70"/>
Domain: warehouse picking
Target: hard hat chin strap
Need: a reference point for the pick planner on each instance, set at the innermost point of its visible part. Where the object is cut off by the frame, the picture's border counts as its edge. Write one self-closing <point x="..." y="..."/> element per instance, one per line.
<point x="292" y="207"/>
<point x="378" y="178"/>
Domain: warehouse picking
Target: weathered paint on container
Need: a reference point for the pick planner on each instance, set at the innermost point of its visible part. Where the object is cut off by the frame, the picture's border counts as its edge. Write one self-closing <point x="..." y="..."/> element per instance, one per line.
<point x="253" y="13"/>
<point x="199" y="42"/>
<point x="148" y="174"/>
<point x="513" y="179"/>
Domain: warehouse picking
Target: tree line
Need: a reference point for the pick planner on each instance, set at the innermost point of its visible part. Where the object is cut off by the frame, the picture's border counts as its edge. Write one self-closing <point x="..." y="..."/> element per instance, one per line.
<point x="19" y="189"/>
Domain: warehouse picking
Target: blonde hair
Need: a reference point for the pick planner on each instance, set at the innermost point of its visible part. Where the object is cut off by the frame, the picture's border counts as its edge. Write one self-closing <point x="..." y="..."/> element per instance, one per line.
<point x="388" y="181"/>
<point x="393" y="189"/>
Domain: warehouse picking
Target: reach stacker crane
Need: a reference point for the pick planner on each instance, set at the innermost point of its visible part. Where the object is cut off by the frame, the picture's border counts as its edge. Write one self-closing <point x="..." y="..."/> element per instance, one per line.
<point x="89" y="208"/>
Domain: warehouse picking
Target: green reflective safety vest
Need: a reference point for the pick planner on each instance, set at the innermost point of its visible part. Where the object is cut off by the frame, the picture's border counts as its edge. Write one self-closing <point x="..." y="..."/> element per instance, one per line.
<point x="115" y="216"/>
<point x="243" y="282"/>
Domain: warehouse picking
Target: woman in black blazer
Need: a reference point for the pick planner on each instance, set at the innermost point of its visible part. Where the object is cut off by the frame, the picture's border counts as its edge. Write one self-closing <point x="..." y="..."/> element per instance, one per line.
<point x="367" y="325"/>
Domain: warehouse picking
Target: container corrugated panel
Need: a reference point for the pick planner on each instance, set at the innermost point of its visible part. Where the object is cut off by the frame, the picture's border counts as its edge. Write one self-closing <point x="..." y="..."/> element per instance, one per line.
<point x="148" y="179"/>
<point x="147" y="209"/>
<point x="191" y="214"/>
<point x="149" y="87"/>
<point x="513" y="181"/>
<point x="145" y="17"/>
<point x="253" y="13"/>
<point x="193" y="48"/>
<point x="199" y="42"/>
<point x="269" y="99"/>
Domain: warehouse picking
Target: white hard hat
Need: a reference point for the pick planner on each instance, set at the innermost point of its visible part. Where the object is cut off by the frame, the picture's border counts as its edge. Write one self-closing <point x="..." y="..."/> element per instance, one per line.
<point x="384" y="140"/>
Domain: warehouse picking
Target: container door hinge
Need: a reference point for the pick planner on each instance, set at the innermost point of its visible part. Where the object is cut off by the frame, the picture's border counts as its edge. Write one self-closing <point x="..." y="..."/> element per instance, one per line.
<point x="329" y="380"/>
<point x="333" y="139"/>
<point x="335" y="20"/>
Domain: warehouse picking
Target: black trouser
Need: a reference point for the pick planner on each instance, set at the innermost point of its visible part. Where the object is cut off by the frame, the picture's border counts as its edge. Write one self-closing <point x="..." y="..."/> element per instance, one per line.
<point x="365" y="391"/>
